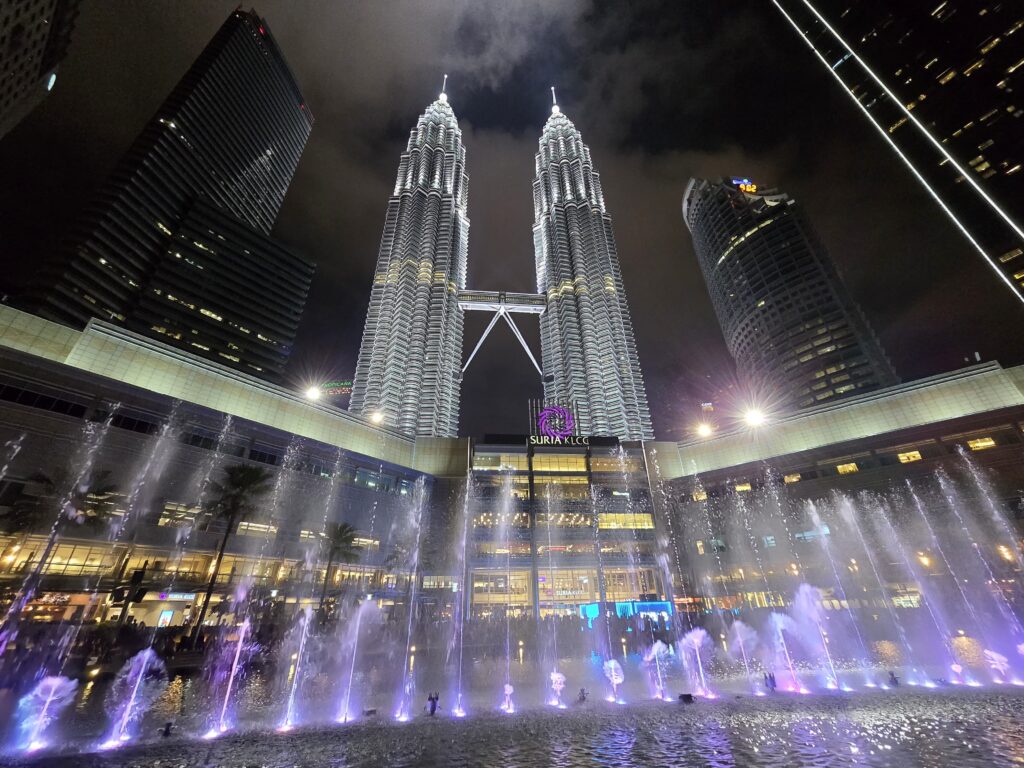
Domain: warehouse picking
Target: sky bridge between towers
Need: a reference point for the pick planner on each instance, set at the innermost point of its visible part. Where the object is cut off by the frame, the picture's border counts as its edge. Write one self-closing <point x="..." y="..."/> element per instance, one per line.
<point x="503" y="304"/>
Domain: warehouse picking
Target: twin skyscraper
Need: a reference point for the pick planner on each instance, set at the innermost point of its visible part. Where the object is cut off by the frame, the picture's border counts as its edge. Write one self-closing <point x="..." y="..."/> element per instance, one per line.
<point x="410" y="362"/>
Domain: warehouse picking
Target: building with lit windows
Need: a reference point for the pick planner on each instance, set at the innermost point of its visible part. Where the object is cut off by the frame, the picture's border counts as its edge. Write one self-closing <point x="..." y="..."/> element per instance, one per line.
<point x="940" y="82"/>
<point x="176" y="243"/>
<point x="34" y="39"/>
<point x="551" y="528"/>
<point x="561" y="529"/>
<point x="410" y="361"/>
<point x="757" y="516"/>
<point x="796" y="335"/>
<point x="588" y="348"/>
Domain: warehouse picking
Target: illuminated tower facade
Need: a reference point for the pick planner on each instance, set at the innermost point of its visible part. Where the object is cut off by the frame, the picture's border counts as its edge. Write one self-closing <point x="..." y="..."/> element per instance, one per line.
<point x="941" y="84"/>
<point x="410" y="361"/>
<point x="786" y="316"/>
<point x="587" y="343"/>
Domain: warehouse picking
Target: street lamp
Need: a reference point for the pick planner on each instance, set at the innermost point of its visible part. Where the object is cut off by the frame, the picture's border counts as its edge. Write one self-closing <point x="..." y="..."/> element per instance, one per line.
<point x="313" y="393"/>
<point x="377" y="417"/>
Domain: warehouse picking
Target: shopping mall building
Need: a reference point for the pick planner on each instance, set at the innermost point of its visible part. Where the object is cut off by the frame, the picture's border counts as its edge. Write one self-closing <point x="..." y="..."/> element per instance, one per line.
<point x="546" y="526"/>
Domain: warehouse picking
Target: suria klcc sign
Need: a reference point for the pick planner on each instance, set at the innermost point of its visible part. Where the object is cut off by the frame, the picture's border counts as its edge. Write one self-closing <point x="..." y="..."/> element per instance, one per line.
<point x="556" y="424"/>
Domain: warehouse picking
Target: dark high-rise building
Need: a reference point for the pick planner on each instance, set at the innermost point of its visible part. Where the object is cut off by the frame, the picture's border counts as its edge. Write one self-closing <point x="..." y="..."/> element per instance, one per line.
<point x="785" y="313"/>
<point x="225" y="291"/>
<point x="941" y="81"/>
<point x="34" y="38"/>
<point x="176" y="243"/>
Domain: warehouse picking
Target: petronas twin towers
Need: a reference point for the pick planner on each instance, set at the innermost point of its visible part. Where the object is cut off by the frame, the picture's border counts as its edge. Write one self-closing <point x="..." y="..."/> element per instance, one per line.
<point x="410" y="362"/>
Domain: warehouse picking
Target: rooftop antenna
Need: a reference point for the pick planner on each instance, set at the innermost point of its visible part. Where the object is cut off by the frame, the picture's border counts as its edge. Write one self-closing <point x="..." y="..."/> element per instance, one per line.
<point x="444" y="85"/>
<point x="554" y="102"/>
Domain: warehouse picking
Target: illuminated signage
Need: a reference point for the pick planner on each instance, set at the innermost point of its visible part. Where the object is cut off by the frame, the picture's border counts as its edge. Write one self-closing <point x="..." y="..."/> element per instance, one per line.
<point x="567" y="440"/>
<point x="745" y="185"/>
<point x="336" y="388"/>
<point x="555" y="421"/>
<point x="187" y="596"/>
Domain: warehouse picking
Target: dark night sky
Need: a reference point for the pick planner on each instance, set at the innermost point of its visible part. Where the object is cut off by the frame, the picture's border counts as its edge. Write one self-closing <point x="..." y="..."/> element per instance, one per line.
<point x="660" y="90"/>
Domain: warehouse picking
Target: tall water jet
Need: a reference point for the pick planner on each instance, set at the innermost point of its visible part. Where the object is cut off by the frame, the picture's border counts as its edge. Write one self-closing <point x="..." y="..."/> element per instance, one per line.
<point x="139" y="683"/>
<point x="696" y="640"/>
<point x="458" y="638"/>
<point x="352" y="643"/>
<point x="655" y="659"/>
<point x="1009" y="615"/>
<point x="556" y="678"/>
<point x="958" y="582"/>
<point x="93" y="434"/>
<point x="850" y="517"/>
<point x="807" y="612"/>
<point x="296" y="672"/>
<point x="824" y="536"/>
<point x="39" y="708"/>
<point x="408" y="690"/>
<point x="780" y="623"/>
<point x="745" y="639"/>
<point x="895" y="541"/>
<point x="505" y="517"/>
<point x="11" y="450"/>
<point x="223" y="724"/>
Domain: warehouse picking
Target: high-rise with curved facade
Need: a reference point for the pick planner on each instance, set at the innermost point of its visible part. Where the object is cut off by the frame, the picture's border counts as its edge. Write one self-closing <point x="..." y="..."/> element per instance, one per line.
<point x="587" y="343"/>
<point x="410" y="361"/>
<point x="787" y="318"/>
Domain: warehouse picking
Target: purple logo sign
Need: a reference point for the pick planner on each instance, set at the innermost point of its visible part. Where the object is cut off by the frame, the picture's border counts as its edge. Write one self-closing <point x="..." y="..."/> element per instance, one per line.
<point x="555" y="421"/>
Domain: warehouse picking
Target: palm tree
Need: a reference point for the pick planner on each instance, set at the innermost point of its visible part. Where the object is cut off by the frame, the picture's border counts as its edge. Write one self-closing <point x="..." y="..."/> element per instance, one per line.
<point x="341" y="545"/>
<point x="232" y="501"/>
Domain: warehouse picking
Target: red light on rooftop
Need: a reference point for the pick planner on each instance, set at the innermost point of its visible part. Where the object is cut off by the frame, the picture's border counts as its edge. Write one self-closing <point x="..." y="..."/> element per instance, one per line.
<point x="262" y="31"/>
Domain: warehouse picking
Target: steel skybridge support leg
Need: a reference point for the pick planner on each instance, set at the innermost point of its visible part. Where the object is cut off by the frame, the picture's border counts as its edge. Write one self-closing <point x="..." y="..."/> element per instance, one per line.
<point x="487" y="332"/>
<point x="515" y="330"/>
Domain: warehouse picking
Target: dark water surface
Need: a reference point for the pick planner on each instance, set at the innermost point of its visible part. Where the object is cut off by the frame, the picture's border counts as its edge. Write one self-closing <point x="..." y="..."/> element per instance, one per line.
<point x="905" y="728"/>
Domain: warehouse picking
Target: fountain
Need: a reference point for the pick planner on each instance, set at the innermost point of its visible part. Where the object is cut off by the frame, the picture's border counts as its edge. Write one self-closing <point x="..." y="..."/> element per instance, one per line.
<point x="223" y="722"/>
<point x="613" y="671"/>
<point x="138" y="684"/>
<point x="696" y="641"/>
<point x="407" y="692"/>
<point x="38" y="709"/>
<point x="745" y="638"/>
<point x="296" y="670"/>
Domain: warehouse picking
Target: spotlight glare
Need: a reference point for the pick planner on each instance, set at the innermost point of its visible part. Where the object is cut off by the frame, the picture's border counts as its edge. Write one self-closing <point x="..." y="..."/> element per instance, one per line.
<point x="704" y="430"/>
<point x="377" y="417"/>
<point x="754" y="417"/>
<point x="313" y="393"/>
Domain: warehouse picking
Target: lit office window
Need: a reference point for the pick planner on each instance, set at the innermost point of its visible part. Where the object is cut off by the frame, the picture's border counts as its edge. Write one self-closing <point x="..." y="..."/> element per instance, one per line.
<point x="981" y="443"/>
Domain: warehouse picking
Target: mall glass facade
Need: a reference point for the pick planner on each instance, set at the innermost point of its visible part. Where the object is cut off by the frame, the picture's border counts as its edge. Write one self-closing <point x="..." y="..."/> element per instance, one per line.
<point x="557" y="528"/>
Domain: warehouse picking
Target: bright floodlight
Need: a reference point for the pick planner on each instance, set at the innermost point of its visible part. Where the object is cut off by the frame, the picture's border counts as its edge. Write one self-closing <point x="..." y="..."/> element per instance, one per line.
<point x="704" y="430"/>
<point x="754" y="417"/>
<point x="376" y="417"/>
<point x="313" y="393"/>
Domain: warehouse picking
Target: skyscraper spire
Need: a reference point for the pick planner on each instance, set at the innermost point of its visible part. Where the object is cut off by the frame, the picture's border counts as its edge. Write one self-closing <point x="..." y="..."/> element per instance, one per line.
<point x="444" y="86"/>
<point x="554" y="102"/>
<point x="587" y="338"/>
<point x="410" y="359"/>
